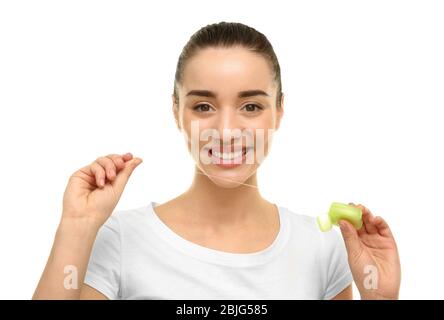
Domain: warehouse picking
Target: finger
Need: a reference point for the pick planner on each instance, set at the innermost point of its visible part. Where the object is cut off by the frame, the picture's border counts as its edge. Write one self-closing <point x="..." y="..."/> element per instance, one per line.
<point x="99" y="173"/>
<point x="118" y="161"/>
<point x="367" y="219"/>
<point x="109" y="167"/>
<point x="361" y="231"/>
<point x="87" y="175"/>
<point x="123" y="176"/>
<point x="382" y="227"/>
<point x="351" y="240"/>
<point x="127" y="156"/>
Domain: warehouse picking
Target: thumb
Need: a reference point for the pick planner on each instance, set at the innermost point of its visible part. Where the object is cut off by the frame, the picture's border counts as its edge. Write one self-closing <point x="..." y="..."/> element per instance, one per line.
<point x="351" y="239"/>
<point x="122" y="177"/>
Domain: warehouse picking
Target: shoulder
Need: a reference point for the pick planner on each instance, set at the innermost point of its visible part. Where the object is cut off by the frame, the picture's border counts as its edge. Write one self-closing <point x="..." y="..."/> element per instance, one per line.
<point x="127" y="216"/>
<point x="305" y="229"/>
<point x="325" y="250"/>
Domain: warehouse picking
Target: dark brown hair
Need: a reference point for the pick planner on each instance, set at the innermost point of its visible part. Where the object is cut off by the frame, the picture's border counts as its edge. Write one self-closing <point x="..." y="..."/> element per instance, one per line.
<point x="225" y="35"/>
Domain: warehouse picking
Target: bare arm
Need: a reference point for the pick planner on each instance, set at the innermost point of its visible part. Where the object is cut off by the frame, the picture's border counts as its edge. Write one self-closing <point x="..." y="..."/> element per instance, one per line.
<point x="89" y="293"/>
<point x="89" y="199"/>
<point x="346" y="294"/>
<point x="71" y="250"/>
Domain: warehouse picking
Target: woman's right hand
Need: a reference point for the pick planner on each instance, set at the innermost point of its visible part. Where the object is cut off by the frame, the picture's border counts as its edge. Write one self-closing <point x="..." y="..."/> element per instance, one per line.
<point x="93" y="191"/>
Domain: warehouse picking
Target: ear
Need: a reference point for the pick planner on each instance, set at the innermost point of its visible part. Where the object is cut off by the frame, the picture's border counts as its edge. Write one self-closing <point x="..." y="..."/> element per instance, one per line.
<point x="279" y="113"/>
<point x="175" y="109"/>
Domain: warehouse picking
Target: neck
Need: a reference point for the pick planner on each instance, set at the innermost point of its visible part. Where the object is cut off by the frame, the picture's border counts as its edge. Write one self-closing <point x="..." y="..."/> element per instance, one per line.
<point x="212" y="204"/>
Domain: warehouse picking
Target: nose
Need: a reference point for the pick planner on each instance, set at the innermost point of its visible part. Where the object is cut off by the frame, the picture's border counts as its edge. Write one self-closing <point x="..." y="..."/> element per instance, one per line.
<point x="229" y="126"/>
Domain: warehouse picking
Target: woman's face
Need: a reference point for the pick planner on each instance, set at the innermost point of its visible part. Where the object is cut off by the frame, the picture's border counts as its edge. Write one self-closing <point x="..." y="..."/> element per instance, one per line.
<point x="227" y="112"/>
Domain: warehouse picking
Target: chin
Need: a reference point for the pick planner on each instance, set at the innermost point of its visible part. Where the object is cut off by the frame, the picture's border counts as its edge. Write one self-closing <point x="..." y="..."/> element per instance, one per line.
<point x="229" y="178"/>
<point x="222" y="183"/>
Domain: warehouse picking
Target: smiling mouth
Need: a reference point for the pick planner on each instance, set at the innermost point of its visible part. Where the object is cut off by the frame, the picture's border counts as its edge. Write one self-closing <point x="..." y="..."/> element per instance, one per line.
<point x="227" y="155"/>
<point x="229" y="159"/>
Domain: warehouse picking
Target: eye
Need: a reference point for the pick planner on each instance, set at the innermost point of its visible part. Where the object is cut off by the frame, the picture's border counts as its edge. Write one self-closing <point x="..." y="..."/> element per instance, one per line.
<point x="203" y="107"/>
<point x="251" y="107"/>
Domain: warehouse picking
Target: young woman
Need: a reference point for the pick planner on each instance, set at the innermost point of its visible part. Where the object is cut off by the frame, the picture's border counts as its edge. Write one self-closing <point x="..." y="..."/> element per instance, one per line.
<point x="220" y="239"/>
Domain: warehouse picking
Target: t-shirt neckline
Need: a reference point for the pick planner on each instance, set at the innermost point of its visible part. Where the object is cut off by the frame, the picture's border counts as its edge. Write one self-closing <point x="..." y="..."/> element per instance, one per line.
<point x="216" y="256"/>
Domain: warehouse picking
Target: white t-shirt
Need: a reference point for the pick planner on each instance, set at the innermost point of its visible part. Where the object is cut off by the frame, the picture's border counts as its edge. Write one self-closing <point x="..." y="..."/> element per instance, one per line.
<point x="137" y="256"/>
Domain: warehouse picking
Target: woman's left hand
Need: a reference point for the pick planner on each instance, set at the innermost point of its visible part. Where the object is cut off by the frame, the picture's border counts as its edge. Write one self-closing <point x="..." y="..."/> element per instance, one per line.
<point x="373" y="257"/>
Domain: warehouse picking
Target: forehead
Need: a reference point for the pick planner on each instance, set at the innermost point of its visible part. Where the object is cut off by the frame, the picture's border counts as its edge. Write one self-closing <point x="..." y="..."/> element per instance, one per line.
<point x="227" y="70"/>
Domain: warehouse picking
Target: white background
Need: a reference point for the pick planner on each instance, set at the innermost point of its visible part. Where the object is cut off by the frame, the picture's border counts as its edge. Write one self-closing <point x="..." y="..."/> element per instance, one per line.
<point x="364" y="85"/>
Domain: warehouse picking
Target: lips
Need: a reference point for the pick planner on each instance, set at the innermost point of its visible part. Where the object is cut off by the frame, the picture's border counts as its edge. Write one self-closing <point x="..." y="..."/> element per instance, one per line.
<point x="229" y="159"/>
<point x="228" y="155"/>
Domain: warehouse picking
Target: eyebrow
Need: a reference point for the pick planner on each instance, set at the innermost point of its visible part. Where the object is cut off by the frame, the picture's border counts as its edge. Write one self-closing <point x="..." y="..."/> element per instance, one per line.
<point x="241" y="94"/>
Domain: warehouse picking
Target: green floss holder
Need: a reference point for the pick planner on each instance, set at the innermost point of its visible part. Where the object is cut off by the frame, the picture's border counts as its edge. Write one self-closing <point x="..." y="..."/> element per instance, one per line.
<point x="340" y="211"/>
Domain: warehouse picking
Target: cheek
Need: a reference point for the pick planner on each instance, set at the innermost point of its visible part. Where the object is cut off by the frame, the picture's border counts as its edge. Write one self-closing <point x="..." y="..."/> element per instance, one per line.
<point x="265" y="120"/>
<point x="261" y="145"/>
<point x="193" y="129"/>
<point x="263" y="128"/>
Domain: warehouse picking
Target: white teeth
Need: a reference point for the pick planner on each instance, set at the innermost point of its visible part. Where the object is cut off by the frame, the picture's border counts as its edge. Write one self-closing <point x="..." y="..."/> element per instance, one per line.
<point x="227" y="155"/>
